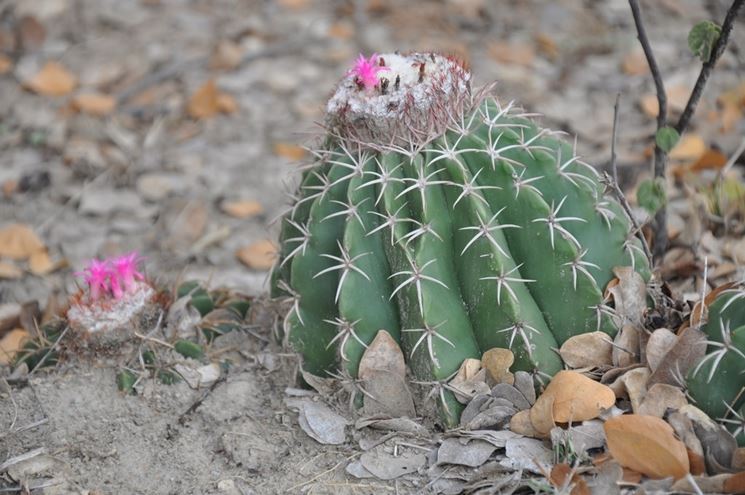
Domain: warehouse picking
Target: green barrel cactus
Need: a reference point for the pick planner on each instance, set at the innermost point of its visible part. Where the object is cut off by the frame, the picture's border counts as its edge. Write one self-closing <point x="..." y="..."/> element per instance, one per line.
<point x="449" y="219"/>
<point x="717" y="382"/>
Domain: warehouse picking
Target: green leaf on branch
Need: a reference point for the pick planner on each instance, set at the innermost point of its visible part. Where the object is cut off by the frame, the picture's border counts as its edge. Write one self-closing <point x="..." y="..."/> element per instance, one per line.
<point x="667" y="138"/>
<point x="651" y="195"/>
<point x="702" y="38"/>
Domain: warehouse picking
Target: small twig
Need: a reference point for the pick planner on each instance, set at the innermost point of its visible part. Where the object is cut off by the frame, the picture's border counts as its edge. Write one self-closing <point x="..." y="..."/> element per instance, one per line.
<point x="732" y="159"/>
<point x="716" y="52"/>
<point x="21" y="458"/>
<point x="660" y="156"/>
<point x="617" y="189"/>
<point x="198" y="402"/>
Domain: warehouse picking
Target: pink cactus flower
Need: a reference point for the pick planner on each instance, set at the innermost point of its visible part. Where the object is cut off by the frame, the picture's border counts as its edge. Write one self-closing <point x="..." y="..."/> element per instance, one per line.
<point x="366" y="70"/>
<point x="125" y="273"/>
<point x="97" y="275"/>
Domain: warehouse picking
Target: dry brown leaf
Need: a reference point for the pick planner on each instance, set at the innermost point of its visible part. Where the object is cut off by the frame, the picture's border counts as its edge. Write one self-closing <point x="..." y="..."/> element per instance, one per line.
<point x="512" y="53"/>
<point x="6" y="64"/>
<point x="689" y="349"/>
<point x="497" y="362"/>
<point x="732" y="103"/>
<point x="9" y="271"/>
<point x="659" y="398"/>
<point x="563" y="476"/>
<point x="469" y="381"/>
<point x="294" y="4"/>
<point x="227" y="55"/>
<point x="635" y="63"/>
<point x="542" y="415"/>
<point x="341" y="30"/>
<point x="383" y="371"/>
<point x="11" y="343"/>
<point x="635" y="384"/>
<point x="677" y="97"/>
<point x="52" y="80"/>
<point x="226" y="103"/>
<point x="521" y="423"/>
<point x="31" y="33"/>
<point x="547" y="46"/>
<point x="19" y="242"/>
<point x="691" y="147"/>
<point x="242" y="208"/>
<point x="208" y="101"/>
<point x="260" y="255"/>
<point x="646" y="444"/>
<point x="291" y="152"/>
<point x="629" y="295"/>
<point x="587" y="350"/>
<point x="41" y="264"/>
<point x="626" y="347"/>
<point x="711" y="160"/>
<point x="576" y="397"/>
<point x="735" y="483"/>
<point x="97" y="104"/>
<point x="658" y="345"/>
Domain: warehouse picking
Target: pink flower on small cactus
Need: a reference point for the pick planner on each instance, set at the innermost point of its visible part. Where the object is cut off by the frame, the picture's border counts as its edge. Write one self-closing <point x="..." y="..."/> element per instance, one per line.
<point x="366" y="70"/>
<point x="125" y="273"/>
<point x="96" y="275"/>
<point x="112" y="277"/>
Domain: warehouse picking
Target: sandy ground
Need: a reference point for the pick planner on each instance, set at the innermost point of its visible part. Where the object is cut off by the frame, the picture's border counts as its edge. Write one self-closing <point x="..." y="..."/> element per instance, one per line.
<point x="150" y="177"/>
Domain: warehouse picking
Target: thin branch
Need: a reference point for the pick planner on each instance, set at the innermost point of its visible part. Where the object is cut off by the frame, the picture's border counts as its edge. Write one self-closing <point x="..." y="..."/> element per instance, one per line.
<point x="708" y="66"/>
<point x="617" y="189"/>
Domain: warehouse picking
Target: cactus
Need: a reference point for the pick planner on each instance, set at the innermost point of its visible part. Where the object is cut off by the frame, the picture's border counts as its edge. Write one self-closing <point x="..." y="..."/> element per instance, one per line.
<point x="717" y="382"/>
<point x="449" y="219"/>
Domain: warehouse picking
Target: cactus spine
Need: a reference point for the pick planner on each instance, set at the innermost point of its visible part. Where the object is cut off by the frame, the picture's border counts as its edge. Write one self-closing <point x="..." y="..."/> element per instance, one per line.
<point x="448" y="219"/>
<point x="717" y="382"/>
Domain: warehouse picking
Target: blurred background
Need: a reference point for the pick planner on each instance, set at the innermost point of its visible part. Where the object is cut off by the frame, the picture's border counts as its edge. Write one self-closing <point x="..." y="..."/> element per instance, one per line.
<point x="170" y="126"/>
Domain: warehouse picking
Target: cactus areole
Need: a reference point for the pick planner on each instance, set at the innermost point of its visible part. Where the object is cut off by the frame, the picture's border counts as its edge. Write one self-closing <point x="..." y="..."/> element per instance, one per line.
<point x="451" y="220"/>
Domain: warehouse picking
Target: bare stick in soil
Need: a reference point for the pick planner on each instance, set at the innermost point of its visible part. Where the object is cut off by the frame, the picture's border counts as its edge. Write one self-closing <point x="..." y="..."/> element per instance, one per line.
<point x="617" y="189"/>
<point x="660" y="155"/>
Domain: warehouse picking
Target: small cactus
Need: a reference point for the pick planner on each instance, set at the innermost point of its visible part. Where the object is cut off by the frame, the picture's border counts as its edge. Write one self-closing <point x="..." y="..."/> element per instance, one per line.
<point x="717" y="382"/>
<point x="115" y="300"/>
<point x="449" y="219"/>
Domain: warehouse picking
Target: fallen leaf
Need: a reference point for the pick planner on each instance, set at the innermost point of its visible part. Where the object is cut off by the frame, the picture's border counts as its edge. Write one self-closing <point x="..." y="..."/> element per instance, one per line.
<point x="469" y="381"/>
<point x="659" y="344"/>
<point x="527" y="454"/>
<point x="542" y="415"/>
<point x="9" y="271"/>
<point x="629" y="295"/>
<point x="512" y="53"/>
<point x="588" y="350"/>
<point x="635" y="63"/>
<point x="52" y="80"/>
<point x="40" y="264"/>
<point x="689" y="349"/>
<point x="387" y="466"/>
<point x="677" y="97"/>
<point x="711" y="159"/>
<point x="522" y="424"/>
<point x="294" y="4"/>
<point x="97" y="104"/>
<point x="321" y="423"/>
<point x="472" y="454"/>
<point x="576" y="397"/>
<point x="6" y="64"/>
<point x="207" y="102"/>
<point x="260" y="255"/>
<point x="291" y="152"/>
<point x="227" y="55"/>
<point x="382" y="369"/>
<point x="635" y="384"/>
<point x="242" y="208"/>
<point x="646" y="444"/>
<point x="19" y="242"/>
<point x="626" y="347"/>
<point x="31" y="33"/>
<point x="341" y="30"/>
<point x="735" y="483"/>
<point x="11" y="343"/>
<point x="563" y="476"/>
<point x="690" y="147"/>
<point x="732" y="103"/>
<point x="497" y="362"/>
<point x="547" y="46"/>
<point x="660" y="398"/>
